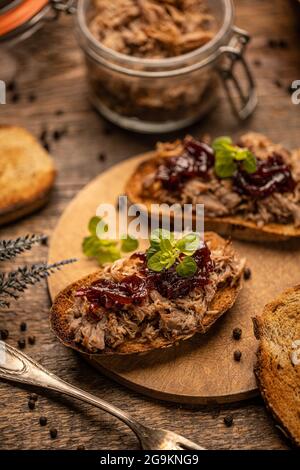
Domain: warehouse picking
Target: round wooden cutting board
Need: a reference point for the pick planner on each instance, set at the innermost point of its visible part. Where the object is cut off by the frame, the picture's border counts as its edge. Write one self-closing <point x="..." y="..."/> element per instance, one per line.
<point x="201" y="370"/>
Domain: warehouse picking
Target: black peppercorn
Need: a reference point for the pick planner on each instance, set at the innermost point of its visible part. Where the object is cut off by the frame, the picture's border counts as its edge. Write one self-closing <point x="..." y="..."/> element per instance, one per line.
<point x="237" y="355"/>
<point x="31" y="98"/>
<point x="31" y="404"/>
<point x="43" y="136"/>
<point x="53" y="433"/>
<point x="23" y="326"/>
<point x="4" y="334"/>
<point x="278" y="83"/>
<point x="15" y="98"/>
<point x="43" y="420"/>
<point x="31" y="340"/>
<point x="247" y="274"/>
<point x="237" y="333"/>
<point x="228" y="420"/>
<point x="22" y="343"/>
<point x="33" y="397"/>
<point x="102" y="157"/>
<point x="11" y="86"/>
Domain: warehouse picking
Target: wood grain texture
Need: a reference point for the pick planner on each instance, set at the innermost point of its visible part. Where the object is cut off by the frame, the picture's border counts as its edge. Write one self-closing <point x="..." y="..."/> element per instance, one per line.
<point x="201" y="370"/>
<point x="51" y="66"/>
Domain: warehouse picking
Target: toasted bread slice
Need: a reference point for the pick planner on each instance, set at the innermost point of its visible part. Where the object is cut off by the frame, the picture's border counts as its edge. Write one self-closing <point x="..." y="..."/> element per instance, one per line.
<point x="232" y="226"/>
<point x="223" y="300"/>
<point x="278" y="360"/>
<point x="27" y="174"/>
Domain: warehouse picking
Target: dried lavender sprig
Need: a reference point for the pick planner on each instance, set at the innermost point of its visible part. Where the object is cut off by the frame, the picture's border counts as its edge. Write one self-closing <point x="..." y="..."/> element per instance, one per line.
<point x="15" y="282"/>
<point x="11" y="248"/>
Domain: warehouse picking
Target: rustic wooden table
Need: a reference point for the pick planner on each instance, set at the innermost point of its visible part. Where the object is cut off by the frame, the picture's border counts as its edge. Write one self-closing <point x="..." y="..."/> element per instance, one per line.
<point x="52" y="94"/>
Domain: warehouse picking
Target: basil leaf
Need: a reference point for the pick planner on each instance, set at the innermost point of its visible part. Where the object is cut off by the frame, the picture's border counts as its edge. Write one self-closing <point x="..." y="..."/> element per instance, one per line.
<point x="187" y="267"/>
<point x="155" y="262"/>
<point x="129" y="244"/>
<point x="93" y="223"/>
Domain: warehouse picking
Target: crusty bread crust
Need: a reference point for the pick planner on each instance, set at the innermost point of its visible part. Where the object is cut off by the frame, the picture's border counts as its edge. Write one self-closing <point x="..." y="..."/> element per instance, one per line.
<point x="278" y="379"/>
<point x="223" y="301"/>
<point x="233" y="226"/>
<point x="27" y="175"/>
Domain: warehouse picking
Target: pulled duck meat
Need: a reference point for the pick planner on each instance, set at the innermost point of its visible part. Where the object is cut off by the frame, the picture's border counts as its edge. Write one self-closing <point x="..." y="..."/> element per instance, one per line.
<point x="152" y="28"/>
<point x="270" y="195"/>
<point x="131" y="302"/>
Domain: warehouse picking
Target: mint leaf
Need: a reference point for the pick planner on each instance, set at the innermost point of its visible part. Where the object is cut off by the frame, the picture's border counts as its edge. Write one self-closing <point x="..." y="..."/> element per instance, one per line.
<point x="187" y="267"/>
<point x="129" y="244"/>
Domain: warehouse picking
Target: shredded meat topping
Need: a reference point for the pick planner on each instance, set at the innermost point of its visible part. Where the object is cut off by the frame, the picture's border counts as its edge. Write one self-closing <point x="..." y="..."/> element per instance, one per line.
<point x="98" y="328"/>
<point x="152" y="28"/>
<point x="219" y="196"/>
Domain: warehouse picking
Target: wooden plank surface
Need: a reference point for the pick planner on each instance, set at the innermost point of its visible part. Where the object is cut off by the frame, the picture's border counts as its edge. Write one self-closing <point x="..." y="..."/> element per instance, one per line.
<point x="50" y="66"/>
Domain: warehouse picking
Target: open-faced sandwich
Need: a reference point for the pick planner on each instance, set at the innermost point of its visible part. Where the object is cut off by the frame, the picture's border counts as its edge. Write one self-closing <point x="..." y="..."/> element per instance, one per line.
<point x="250" y="190"/>
<point x="152" y="299"/>
<point x="278" y="360"/>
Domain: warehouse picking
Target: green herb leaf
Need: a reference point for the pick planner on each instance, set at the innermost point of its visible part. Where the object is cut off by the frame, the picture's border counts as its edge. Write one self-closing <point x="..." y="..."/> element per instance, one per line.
<point x="188" y="244"/>
<point x="129" y="244"/>
<point x="226" y="156"/>
<point x="155" y="262"/>
<point x="187" y="267"/>
<point x="93" y="223"/>
<point x="164" y="251"/>
<point x="108" y="255"/>
<point x="159" y="234"/>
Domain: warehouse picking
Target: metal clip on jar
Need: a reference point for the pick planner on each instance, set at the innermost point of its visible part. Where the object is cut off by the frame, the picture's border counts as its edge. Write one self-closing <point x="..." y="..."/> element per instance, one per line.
<point x="19" y="19"/>
<point x="161" y="95"/>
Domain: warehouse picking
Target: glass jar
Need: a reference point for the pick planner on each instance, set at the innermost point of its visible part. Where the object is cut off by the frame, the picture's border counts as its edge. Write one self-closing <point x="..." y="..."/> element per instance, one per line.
<point x="162" y="95"/>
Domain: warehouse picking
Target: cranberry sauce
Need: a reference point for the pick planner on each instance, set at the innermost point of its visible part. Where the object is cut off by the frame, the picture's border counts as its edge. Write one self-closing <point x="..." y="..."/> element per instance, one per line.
<point x="170" y="285"/>
<point x="272" y="175"/>
<point x="108" y="294"/>
<point x="134" y="289"/>
<point x="196" y="160"/>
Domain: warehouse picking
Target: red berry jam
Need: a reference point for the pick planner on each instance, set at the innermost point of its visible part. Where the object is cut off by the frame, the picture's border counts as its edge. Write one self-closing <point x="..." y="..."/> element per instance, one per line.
<point x="196" y="160"/>
<point x="134" y="289"/>
<point x="272" y="175"/>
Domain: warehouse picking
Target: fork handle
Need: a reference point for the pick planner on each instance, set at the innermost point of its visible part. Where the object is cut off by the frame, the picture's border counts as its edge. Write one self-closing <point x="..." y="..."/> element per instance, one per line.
<point x="18" y="367"/>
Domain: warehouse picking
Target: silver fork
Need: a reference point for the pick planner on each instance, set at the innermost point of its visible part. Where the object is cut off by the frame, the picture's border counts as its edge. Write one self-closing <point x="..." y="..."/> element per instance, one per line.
<point x="17" y="367"/>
